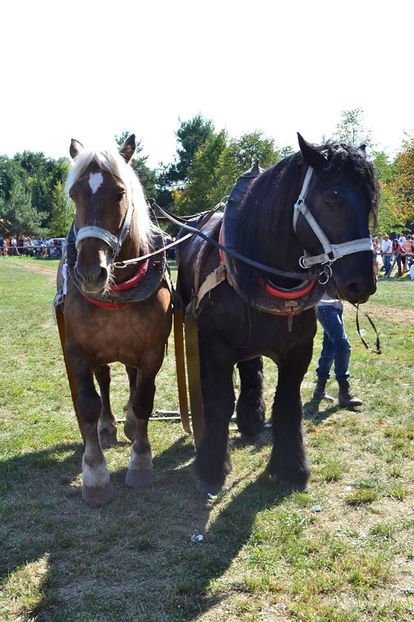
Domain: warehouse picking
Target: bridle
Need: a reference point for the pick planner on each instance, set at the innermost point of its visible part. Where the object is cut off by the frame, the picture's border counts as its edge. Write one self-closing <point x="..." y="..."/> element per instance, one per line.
<point x="114" y="241"/>
<point x="332" y="252"/>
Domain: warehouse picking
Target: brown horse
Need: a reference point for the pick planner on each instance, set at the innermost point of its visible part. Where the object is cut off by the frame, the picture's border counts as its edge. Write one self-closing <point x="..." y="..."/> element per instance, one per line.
<point x="112" y="313"/>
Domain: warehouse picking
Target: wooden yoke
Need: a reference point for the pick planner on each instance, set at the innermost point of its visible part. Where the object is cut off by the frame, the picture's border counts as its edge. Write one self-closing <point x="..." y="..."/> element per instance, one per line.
<point x="60" y="319"/>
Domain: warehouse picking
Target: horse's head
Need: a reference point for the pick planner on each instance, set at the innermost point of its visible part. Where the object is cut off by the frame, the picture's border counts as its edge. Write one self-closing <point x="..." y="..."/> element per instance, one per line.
<point x="331" y="218"/>
<point x="104" y="190"/>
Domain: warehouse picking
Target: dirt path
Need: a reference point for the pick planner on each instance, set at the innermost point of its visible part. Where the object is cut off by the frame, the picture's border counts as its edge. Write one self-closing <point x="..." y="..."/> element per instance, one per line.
<point x="390" y="314"/>
<point x="41" y="269"/>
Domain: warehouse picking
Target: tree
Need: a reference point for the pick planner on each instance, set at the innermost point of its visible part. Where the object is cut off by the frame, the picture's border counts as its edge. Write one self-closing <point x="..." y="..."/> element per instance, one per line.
<point x="402" y="182"/>
<point x="62" y="212"/>
<point x="18" y="215"/>
<point x="203" y="189"/>
<point x="218" y="164"/>
<point x="351" y="131"/>
<point x="192" y="135"/>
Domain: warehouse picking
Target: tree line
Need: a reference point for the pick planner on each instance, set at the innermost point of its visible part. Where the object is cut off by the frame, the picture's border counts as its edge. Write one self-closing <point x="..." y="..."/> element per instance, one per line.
<point x="205" y="166"/>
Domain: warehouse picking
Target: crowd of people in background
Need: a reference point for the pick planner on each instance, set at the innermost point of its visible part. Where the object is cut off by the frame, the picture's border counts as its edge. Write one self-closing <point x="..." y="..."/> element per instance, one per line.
<point x="397" y="251"/>
<point x="387" y="252"/>
<point x="32" y="247"/>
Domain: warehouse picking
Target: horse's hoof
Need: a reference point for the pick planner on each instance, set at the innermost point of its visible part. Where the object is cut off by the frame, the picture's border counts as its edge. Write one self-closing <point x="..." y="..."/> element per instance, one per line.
<point x="250" y="439"/>
<point x="289" y="478"/>
<point x="107" y="438"/>
<point x="130" y="430"/>
<point x="138" y="478"/>
<point x="96" y="497"/>
<point x="211" y="490"/>
<point x="288" y="487"/>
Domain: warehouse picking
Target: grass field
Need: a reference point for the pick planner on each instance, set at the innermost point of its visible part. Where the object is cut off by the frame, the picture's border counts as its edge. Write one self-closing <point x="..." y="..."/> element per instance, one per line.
<point x="341" y="552"/>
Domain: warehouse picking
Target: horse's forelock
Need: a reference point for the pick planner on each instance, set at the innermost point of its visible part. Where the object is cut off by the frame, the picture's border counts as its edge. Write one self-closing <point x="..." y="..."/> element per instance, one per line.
<point x="360" y="168"/>
<point x="112" y="162"/>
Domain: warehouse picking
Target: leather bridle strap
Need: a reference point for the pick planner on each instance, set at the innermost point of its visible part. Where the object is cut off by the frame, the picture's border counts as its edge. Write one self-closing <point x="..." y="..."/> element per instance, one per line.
<point x="114" y="241"/>
<point x="332" y="252"/>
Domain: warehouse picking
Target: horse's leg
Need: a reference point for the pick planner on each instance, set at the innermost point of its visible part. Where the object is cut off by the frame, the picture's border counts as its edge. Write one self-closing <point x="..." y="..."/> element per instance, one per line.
<point x="250" y="404"/>
<point x="139" y="471"/>
<point x="130" y="421"/>
<point x="288" y="460"/>
<point x="213" y="461"/>
<point x="97" y="487"/>
<point x="107" y="421"/>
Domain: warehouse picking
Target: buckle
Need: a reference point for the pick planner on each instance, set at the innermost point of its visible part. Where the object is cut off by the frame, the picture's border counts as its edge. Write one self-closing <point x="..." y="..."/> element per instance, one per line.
<point x="326" y="274"/>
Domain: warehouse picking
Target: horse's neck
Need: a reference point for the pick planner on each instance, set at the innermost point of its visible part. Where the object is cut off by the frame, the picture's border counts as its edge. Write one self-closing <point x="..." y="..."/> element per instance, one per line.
<point x="273" y="248"/>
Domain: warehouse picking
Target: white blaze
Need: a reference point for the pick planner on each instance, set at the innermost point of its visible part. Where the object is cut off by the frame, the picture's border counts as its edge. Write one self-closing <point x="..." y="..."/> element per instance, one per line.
<point x="95" y="181"/>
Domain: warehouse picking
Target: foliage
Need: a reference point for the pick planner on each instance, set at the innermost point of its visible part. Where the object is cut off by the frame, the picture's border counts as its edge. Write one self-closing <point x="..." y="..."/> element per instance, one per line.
<point x="403" y="180"/>
<point x="389" y="215"/>
<point x="61" y="216"/>
<point x="27" y="186"/>
<point x="192" y="135"/>
<point x="17" y="214"/>
<point x="351" y="130"/>
<point x="203" y="189"/>
<point x="217" y="166"/>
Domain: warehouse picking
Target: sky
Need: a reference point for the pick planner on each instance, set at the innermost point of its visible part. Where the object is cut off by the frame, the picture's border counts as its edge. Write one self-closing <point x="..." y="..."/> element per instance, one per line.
<point x="91" y="69"/>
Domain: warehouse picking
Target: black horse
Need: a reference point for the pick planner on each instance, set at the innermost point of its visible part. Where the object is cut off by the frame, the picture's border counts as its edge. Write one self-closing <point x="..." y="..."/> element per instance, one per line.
<point x="307" y="218"/>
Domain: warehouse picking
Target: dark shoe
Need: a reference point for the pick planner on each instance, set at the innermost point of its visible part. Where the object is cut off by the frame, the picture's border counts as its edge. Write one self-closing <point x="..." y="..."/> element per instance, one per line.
<point x="345" y="399"/>
<point x="320" y="393"/>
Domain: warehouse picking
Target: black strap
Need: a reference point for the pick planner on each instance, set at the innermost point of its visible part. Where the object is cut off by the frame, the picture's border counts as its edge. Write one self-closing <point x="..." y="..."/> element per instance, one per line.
<point x="232" y="253"/>
<point x="377" y="340"/>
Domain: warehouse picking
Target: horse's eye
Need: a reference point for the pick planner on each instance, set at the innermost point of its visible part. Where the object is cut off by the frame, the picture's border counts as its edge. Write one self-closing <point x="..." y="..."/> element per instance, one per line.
<point x="120" y="195"/>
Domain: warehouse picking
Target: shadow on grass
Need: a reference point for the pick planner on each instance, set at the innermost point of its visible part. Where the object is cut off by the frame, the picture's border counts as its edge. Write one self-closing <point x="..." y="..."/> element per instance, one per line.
<point x="105" y="563"/>
<point x="313" y="412"/>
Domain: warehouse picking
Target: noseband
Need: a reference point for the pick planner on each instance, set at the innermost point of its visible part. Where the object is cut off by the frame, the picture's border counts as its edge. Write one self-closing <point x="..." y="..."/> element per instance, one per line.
<point x="332" y="252"/>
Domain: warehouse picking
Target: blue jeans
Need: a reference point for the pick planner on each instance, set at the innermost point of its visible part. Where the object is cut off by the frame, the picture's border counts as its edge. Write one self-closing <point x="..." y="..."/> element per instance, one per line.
<point x="386" y="259"/>
<point x="336" y="347"/>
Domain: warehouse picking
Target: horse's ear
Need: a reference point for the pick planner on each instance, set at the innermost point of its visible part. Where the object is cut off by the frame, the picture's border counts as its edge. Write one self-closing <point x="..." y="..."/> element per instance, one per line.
<point x="75" y="148"/>
<point x="311" y="155"/>
<point x="128" y="148"/>
<point x="362" y="150"/>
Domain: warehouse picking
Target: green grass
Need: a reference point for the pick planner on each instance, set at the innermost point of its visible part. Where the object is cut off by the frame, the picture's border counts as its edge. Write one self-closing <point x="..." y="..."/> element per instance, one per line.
<point x="265" y="556"/>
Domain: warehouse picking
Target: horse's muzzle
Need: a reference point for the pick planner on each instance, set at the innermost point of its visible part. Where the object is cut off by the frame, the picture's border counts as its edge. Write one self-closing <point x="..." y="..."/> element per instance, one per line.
<point x="93" y="280"/>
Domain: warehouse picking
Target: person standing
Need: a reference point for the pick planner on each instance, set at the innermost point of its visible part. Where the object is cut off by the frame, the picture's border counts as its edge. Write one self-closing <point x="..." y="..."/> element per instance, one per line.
<point x="386" y="250"/>
<point x="336" y="349"/>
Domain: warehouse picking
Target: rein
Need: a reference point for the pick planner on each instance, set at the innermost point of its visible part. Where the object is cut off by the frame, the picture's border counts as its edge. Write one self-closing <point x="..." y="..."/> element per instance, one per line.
<point x="377" y="338"/>
<point x="324" y="274"/>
